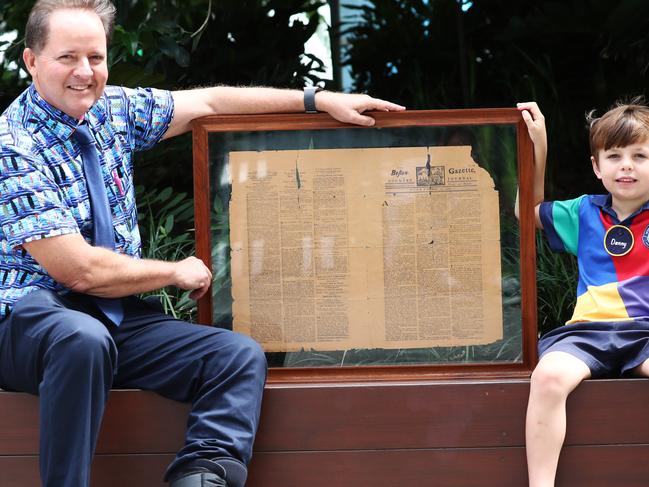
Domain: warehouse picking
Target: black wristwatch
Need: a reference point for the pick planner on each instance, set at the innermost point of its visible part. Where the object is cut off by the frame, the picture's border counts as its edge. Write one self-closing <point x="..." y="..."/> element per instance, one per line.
<point x="309" y="98"/>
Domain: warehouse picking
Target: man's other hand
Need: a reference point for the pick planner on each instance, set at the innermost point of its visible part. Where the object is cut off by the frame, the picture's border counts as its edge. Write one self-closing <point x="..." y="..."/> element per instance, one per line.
<point x="192" y="274"/>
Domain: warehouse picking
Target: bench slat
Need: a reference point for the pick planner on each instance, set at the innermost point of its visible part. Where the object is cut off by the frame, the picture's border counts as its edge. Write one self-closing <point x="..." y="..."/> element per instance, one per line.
<point x="381" y="434"/>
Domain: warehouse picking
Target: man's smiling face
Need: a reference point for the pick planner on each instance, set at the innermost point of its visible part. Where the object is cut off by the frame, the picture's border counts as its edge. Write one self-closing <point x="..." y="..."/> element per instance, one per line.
<point x="70" y="71"/>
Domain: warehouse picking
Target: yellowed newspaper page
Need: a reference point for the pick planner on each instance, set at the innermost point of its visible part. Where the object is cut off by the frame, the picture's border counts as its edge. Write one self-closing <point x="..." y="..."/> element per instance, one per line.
<point x="364" y="248"/>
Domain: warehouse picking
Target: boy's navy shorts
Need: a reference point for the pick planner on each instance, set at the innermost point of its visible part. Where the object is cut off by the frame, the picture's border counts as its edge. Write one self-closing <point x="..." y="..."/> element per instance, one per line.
<point x="609" y="349"/>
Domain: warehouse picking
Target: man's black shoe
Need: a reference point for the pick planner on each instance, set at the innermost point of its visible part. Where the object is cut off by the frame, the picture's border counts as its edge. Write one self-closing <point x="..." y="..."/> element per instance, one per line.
<point x="201" y="473"/>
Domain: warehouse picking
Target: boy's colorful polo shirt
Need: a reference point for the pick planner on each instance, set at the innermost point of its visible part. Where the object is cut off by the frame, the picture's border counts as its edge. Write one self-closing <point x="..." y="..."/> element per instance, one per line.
<point x="611" y="287"/>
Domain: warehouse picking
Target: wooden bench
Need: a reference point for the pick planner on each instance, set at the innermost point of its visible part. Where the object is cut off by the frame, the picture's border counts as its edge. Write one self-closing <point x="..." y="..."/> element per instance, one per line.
<point x="454" y="433"/>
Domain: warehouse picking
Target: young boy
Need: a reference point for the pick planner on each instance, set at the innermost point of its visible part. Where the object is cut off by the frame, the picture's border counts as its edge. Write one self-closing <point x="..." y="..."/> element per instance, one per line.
<point x="608" y="334"/>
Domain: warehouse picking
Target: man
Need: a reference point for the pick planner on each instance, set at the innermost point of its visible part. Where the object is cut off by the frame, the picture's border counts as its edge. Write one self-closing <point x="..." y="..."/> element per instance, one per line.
<point x="71" y="328"/>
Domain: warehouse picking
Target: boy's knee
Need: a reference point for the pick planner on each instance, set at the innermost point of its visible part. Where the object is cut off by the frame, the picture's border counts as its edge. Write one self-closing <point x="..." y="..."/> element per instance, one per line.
<point x="550" y="380"/>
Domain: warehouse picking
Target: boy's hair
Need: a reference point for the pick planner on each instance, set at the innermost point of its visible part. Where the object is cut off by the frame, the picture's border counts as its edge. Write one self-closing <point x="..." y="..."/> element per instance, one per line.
<point x="624" y="124"/>
<point x="36" y="30"/>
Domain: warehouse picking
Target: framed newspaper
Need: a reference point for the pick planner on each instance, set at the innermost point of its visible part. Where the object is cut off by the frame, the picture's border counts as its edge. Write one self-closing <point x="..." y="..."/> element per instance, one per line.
<point x="355" y="253"/>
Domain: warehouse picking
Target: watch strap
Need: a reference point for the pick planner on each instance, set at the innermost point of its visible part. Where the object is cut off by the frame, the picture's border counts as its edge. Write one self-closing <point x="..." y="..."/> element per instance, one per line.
<point x="309" y="98"/>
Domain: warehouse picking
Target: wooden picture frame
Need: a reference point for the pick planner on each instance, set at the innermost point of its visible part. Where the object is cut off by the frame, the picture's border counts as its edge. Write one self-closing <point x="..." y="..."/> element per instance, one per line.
<point x="202" y="128"/>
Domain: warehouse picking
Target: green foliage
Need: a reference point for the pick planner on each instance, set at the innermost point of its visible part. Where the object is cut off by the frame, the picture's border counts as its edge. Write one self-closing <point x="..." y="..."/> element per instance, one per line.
<point x="13" y="16"/>
<point x="556" y="277"/>
<point x="181" y="43"/>
<point x="166" y="220"/>
<point x="221" y="279"/>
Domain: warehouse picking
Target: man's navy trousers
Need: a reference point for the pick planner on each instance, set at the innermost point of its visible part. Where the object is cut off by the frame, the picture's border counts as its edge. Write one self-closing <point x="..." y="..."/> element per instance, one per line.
<point x="64" y="350"/>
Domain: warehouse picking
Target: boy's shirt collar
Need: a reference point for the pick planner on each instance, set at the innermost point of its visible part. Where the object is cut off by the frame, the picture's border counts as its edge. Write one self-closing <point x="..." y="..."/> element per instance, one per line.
<point x="605" y="202"/>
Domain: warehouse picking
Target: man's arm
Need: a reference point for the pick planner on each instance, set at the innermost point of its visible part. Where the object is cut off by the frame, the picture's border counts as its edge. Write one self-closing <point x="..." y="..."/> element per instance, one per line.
<point x="536" y="128"/>
<point x="75" y="264"/>
<point x="222" y="100"/>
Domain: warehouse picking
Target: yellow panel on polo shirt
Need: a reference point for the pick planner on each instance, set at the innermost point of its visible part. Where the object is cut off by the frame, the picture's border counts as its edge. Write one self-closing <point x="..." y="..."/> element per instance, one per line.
<point x="600" y="303"/>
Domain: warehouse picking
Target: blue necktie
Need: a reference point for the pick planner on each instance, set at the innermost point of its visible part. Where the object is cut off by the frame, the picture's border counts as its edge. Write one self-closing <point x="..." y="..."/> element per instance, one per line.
<point x="102" y="229"/>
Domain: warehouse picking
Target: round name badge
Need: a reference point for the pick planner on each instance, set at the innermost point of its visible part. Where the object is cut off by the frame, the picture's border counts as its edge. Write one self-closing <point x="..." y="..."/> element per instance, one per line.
<point x="618" y="240"/>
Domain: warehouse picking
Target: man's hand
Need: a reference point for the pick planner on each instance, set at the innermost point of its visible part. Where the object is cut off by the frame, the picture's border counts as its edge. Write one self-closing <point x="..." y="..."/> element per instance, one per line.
<point x="192" y="274"/>
<point x="349" y="108"/>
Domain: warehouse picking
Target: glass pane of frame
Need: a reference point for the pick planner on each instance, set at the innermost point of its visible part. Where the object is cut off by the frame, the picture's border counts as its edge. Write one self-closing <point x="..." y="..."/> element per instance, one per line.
<point x="373" y="247"/>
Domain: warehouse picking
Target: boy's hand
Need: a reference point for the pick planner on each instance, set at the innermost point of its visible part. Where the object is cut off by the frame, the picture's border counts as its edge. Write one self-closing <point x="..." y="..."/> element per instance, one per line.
<point x="535" y="122"/>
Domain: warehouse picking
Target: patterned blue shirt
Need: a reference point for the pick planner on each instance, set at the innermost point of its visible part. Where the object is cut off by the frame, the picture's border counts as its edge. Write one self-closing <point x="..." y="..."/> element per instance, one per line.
<point x="42" y="187"/>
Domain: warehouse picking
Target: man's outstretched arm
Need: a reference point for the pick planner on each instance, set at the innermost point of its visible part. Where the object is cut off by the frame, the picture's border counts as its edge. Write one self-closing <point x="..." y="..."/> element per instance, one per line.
<point x="224" y="100"/>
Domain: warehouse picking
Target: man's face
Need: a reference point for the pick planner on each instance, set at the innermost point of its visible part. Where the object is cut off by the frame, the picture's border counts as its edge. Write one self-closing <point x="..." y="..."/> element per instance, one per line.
<point x="70" y="72"/>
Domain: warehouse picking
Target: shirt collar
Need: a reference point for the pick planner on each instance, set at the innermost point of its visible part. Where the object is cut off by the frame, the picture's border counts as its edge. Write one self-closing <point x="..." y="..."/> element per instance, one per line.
<point x="59" y="123"/>
<point x="604" y="201"/>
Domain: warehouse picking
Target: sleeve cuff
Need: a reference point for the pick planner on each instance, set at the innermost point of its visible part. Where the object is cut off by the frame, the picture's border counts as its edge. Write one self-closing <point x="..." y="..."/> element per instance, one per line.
<point x="18" y="242"/>
<point x="547" y="220"/>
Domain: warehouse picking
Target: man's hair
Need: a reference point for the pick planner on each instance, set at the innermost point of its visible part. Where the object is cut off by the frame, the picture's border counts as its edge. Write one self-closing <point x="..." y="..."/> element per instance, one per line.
<point x="624" y="124"/>
<point x="36" y="31"/>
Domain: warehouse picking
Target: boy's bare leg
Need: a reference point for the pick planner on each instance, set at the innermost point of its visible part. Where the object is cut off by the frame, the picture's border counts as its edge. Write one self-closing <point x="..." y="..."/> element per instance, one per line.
<point x="556" y="376"/>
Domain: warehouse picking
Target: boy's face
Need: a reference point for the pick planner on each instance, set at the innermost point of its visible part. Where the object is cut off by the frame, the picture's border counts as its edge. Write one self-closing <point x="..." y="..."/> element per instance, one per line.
<point x="624" y="172"/>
